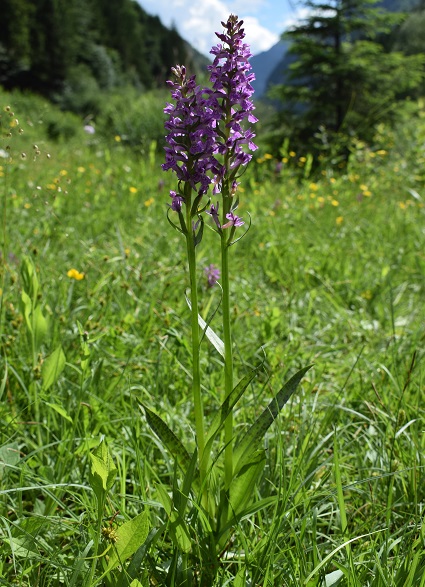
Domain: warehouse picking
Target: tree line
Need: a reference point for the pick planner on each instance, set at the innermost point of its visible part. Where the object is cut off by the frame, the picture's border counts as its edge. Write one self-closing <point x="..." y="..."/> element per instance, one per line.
<point x="61" y="47"/>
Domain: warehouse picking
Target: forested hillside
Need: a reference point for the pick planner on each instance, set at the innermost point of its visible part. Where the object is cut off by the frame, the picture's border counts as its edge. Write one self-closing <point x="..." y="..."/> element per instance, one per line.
<point x="64" y="47"/>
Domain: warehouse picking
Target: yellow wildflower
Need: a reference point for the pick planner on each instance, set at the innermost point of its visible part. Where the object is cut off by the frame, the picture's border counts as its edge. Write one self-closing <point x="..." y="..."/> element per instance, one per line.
<point x="133" y="190"/>
<point x="81" y="169"/>
<point x="149" y="202"/>
<point x="268" y="156"/>
<point x="314" y="187"/>
<point x="117" y="138"/>
<point x="335" y="203"/>
<point x="63" y="172"/>
<point x="74" y="274"/>
<point x="27" y="205"/>
<point x="339" y="220"/>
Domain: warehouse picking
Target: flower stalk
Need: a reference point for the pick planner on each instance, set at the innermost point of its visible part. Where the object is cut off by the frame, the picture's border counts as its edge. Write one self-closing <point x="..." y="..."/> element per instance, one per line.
<point x="207" y="146"/>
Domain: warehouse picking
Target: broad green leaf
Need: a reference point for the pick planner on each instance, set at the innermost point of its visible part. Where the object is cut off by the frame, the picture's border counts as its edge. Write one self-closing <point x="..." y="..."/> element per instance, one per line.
<point x="256" y="432"/>
<point x="169" y="439"/>
<point x="60" y="410"/>
<point x="52" y="368"/>
<point x="241" y="490"/>
<point x="102" y="471"/>
<point x="130" y="536"/>
<point x="135" y="583"/>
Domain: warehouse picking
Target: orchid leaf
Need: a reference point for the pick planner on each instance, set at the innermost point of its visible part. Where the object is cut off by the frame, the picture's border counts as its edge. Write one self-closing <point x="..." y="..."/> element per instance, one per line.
<point x="241" y="489"/>
<point x="169" y="439"/>
<point x="256" y="432"/>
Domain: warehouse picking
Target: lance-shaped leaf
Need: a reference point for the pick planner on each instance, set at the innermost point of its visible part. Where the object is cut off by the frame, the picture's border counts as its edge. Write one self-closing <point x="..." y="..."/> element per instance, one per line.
<point x="249" y="442"/>
<point x="241" y="490"/>
<point x="169" y="439"/>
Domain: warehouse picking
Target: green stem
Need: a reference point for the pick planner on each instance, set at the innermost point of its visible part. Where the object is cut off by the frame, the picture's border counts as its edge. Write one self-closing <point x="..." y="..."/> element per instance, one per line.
<point x="196" y="381"/>
<point x="228" y="359"/>
<point x="227" y="334"/>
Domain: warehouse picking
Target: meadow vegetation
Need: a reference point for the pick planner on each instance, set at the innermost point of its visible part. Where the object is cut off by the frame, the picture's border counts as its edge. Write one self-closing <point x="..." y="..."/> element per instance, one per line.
<point x="94" y="322"/>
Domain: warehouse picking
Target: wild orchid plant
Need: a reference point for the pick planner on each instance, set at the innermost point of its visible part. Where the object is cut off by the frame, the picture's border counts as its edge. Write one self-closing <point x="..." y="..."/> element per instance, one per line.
<point x="208" y="143"/>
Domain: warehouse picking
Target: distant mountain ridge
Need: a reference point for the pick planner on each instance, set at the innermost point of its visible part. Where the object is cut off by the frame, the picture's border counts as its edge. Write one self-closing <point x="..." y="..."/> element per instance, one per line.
<point x="264" y="65"/>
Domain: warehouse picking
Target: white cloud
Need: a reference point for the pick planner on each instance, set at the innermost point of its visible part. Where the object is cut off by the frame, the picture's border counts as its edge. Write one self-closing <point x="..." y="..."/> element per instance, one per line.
<point x="201" y="22"/>
<point x="197" y="21"/>
<point x="258" y="37"/>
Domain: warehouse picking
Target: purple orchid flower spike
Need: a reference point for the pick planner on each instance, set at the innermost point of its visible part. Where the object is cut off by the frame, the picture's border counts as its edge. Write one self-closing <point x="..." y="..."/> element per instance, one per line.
<point x="192" y="135"/>
<point x="231" y="77"/>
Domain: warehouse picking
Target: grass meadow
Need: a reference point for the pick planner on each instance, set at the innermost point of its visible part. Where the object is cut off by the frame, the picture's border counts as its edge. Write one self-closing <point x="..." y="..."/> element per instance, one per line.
<point x="94" y="321"/>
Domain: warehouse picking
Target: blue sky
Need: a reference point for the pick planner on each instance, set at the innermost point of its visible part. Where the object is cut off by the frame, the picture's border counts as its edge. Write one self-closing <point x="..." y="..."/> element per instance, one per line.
<point x="197" y="20"/>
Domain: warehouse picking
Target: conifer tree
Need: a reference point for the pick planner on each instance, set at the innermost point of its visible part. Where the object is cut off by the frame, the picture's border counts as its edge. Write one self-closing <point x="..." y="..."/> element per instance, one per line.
<point x="342" y="80"/>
